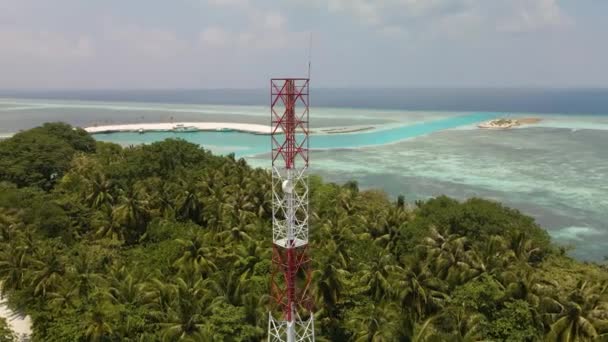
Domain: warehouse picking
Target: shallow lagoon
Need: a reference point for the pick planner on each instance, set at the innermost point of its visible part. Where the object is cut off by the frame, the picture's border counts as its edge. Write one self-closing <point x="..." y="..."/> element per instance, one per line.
<point x="555" y="170"/>
<point x="246" y="144"/>
<point x="557" y="175"/>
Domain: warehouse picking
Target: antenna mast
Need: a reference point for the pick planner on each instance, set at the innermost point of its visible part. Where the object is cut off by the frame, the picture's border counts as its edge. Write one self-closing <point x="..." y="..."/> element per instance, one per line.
<point x="309" y="54"/>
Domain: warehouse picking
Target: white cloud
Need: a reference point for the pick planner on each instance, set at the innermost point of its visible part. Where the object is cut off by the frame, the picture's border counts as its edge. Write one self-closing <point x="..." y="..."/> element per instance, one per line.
<point x="432" y="15"/>
<point x="44" y="45"/>
<point x="529" y="15"/>
<point x="215" y="36"/>
<point x="231" y="3"/>
<point x="148" y="43"/>
<point x="394" y="31"/>
<point x="223" y="43"/>
<point x="264" y="30"/>
<point x="274" y="21"/>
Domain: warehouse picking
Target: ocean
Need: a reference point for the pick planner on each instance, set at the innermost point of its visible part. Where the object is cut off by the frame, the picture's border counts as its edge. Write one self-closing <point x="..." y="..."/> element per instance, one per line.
<point x="418" y="142"/>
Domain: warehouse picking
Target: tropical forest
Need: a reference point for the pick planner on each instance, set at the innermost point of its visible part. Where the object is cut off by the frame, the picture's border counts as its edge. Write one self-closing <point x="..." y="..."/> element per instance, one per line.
<point x="168" y="242"/>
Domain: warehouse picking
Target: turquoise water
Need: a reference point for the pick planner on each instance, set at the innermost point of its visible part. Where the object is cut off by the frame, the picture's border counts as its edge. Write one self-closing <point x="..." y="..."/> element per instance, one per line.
<point x="246" y="144"/>
<point x="555" y="170"/>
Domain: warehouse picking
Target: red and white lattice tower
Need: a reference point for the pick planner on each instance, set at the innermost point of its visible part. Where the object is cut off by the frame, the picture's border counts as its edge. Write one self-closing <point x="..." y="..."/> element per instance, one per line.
<point x="290" y="319"/>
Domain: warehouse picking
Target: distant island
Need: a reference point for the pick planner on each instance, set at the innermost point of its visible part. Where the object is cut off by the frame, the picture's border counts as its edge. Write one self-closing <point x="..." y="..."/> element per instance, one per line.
<point x="507" y="123"/>
<point x="181" y="127"/>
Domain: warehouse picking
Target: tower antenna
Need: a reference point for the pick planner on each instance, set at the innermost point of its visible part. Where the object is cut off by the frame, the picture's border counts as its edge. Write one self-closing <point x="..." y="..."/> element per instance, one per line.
<point x="291" y="318"/>
<point x="309" y="54"/>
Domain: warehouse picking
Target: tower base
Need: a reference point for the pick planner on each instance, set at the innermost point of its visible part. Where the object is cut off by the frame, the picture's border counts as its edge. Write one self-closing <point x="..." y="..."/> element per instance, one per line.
<point x="281" y="331"/>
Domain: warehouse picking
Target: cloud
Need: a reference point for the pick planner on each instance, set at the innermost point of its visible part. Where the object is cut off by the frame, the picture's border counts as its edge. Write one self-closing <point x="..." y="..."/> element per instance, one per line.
<point x="231" y="3"/>
<point x="148" y="43"/>
<point x="224" y="43"/>
<point x="274" y="21"/>
<point x="215" y="36"/>
<point x="41" y="46"/>
<point x="535" y="15"/>
<point x="264" y="30"/>
<point x="442" y="15"/>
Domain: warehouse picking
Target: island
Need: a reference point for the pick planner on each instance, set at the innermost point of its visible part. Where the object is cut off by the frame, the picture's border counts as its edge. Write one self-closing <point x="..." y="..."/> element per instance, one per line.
<point x="168" y="242"/>
<point x="205" y="126"/>
<point x="181" y="127"/>
<point x="503" y="123"/>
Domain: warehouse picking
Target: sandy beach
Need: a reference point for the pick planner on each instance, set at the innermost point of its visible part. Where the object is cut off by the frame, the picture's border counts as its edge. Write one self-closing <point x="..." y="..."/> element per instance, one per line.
<point x="19" y="324"/>
<point x="180" y="127"/>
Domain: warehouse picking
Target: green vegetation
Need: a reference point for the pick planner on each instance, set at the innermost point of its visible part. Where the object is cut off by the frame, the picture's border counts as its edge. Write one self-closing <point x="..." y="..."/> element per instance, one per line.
<point x="167" y="242"/>
<point x="6" y="334"/>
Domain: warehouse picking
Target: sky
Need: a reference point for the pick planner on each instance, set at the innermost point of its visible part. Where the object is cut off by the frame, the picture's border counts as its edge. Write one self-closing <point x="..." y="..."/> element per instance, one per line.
<point x="154" y="44"/>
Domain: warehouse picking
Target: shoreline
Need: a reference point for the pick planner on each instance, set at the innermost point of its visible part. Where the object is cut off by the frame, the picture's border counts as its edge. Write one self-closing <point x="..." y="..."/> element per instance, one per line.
<point x="181" y="127"/>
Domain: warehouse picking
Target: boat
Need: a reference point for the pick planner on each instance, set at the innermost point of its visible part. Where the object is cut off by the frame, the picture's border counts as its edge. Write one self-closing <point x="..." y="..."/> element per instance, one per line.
<point x="182" y="128"/>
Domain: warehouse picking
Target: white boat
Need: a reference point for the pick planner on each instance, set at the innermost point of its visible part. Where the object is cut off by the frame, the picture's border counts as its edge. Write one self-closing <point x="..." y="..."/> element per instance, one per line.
<point x="182" y="128"/>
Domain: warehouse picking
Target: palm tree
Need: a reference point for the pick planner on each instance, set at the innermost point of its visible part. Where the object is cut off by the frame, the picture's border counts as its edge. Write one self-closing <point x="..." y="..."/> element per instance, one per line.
<point x="99" y="191"/>
<point x="83" y="277"/>
<point x="247" y="255"/>
<point x="496" y="255"/>
<point x="524" y="248"/>
<point x="188" y="204"/>
<point x="123" y="288"/>
<point x="422" y="332"/>
<point x="573" y="326"/>
<point x="217" y="209"/>
<point x="97" y="326"/>
<point x="340" y="232"/>
<point x="107" y="225"/>
<point x="185" y="318"/>
<point x="48" y="274"/>
<point x="196" y="255"/>
<point x="377" y="325"/>
<point x="525" y="285"/>
<point x="238" y="233"/>
<point x="377" y="274"/>
<point x="166" y="200"/>
<point x="158" y="297"/>
<point x="377" y="224"/>
<point x="259" y="194"/>
<point x="14" y="262"/>
<point x="396" y="218"/>
<point x="230" y="288"/>
<point x="585" y="314"/>
<point x="133" y="211"/>
<point x="161" y="196"/>
<point x="255" y="309"/>
<point x="466" y="326"/>
<point x="9" y="224"/>
<point x="421" y="293"/>
<point x="328" y="284"/>
<point x="451" y="259"/>
<point x="66" y="297"/>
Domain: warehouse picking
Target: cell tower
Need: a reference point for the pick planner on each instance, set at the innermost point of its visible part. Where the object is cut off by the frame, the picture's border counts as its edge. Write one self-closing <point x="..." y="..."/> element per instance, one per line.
<point x="291" y="273"/>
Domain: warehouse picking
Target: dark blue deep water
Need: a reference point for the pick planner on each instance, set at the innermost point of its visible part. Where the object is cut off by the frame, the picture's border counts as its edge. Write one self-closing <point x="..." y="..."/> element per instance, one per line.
<point x="565" y="101"/>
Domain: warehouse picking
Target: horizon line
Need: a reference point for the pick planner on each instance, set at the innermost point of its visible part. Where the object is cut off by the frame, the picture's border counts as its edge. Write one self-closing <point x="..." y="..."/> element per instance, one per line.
<point x="58" y="90"/>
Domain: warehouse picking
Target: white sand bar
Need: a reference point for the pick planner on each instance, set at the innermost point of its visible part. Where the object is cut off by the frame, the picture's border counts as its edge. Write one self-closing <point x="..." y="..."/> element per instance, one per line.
<point x="19" y="324"/>
<point x="181" y="127"/>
